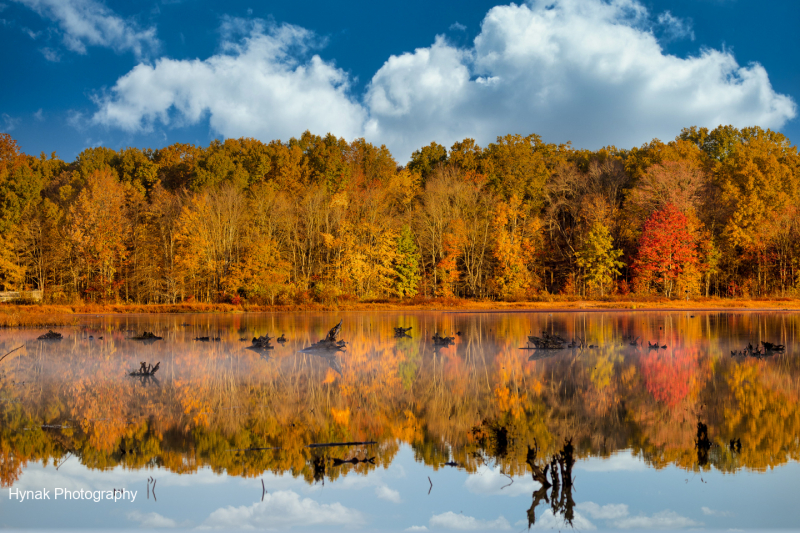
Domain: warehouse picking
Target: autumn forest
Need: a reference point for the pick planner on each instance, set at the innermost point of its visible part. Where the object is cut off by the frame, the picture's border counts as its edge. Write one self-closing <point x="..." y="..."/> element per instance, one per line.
<point x="319" y="219"/>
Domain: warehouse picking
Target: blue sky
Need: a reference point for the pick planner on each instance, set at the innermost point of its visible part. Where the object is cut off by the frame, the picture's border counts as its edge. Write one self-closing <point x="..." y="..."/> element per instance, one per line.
<point x="81" y="73"/>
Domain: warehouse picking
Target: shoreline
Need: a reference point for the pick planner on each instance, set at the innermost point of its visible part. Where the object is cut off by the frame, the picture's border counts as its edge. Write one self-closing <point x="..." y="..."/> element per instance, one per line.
<point x="43" y="315"/>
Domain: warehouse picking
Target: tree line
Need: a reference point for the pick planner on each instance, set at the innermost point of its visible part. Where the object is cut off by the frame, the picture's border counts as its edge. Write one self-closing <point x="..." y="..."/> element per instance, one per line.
<point x="711" y="213"/>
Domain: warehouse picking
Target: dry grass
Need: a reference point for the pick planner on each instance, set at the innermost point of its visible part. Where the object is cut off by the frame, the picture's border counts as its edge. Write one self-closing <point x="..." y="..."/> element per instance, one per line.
<point x="12" y="315"/>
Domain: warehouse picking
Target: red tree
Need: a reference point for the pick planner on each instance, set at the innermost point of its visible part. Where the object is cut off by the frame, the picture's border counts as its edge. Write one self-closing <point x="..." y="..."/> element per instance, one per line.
<point x="666" y="249"/>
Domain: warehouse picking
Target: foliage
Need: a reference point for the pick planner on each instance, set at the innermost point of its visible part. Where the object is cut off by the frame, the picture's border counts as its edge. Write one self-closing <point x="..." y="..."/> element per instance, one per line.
<point x="319" y="217"/>
<point x="666" y="250"/>
<point x="599" y="258"/>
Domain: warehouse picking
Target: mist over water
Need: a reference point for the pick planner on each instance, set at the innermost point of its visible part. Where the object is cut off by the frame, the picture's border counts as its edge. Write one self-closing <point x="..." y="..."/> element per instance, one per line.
<point x="445" y="431"/>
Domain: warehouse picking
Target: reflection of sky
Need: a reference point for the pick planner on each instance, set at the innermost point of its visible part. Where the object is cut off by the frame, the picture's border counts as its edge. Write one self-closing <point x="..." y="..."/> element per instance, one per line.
<point x="613" y="493"/>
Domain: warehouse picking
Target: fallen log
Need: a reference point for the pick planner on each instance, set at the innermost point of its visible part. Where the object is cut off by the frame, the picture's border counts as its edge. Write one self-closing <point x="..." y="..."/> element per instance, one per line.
<point x="145" y="370"/>
<point x="50" y="336"/>
<point x="401" y="332"/>
<point x="547" y="341"/>
<point x="438" y="340"/>
<point x="147" y="336"/>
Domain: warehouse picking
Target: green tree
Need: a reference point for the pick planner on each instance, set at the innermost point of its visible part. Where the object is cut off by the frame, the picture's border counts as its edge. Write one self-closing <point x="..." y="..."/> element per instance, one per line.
<point x="425" y="160"/>
<point x="599" y="258"/>
<point x="406" y="265"/>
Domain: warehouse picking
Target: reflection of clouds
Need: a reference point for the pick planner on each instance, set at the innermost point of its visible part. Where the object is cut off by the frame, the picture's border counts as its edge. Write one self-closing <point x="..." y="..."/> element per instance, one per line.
<point x="385" y="493"/>
<point x="151" y="520"/>
<point x="618" y="517"/>
<point x="488" y="480"/>
<point x="549" y="521"/>
<point x="460" y="522"/>
<point x="712" y="512"/>
<point x="75" y="476"/>
<point x="623" y="460"/>
<point x="283" y="510"/>
<point x="376" y="478"/>
<point x="662" y="520"/>
<point x="605" y="512"/>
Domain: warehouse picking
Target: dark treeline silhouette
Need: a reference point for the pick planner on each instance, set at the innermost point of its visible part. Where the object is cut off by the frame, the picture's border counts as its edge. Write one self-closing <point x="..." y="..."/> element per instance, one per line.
<point x="712" y="213"/>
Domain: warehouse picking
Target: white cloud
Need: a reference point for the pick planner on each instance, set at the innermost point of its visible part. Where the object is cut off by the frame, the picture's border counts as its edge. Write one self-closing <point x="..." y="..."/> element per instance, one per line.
<point x="589" y="71"/>
<point x="89" y="23"/>
<point x="385" y="493"/>
<point x="662" y="520"/>
<point x="50" y="54"/>
<point x="605" y="512"/>
<point x="8" y="122"/>
<point x="257" y="87"/>
<point x="460" y="522"/>
<point x="151" y="520"/>
<point x="583" y="70"/>
<point x="674" y="27"/>
<point x="283" y="510"/>
<point x="39" y="115"/>
<point x="457" y="26"/>
<point x="416" y="528"/>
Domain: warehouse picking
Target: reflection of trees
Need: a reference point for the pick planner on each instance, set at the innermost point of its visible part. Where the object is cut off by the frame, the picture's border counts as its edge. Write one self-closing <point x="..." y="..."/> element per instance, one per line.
<point x="479" y="401"/>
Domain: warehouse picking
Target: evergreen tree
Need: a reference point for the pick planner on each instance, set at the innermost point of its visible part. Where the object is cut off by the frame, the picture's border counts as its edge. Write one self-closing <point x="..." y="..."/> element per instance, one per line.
<point x="599" y="258"/>
<point x="406" y="266"/>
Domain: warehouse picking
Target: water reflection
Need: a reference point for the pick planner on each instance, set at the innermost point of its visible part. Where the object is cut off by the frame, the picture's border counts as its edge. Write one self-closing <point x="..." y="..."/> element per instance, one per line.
<point x="480" y="400"/>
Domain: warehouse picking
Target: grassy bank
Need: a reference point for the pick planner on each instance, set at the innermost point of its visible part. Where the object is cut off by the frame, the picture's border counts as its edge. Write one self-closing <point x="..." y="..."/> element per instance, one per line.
<point x="14" y="315"/>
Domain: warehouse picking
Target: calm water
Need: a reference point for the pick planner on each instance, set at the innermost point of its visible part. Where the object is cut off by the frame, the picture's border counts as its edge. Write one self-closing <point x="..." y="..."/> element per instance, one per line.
<point x="451" y="426"/>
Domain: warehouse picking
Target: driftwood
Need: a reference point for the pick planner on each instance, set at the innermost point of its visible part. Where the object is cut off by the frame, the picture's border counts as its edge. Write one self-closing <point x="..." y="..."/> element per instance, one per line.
<point x="768" y="350"/>
<point x="262" y="343"/>
<point x="50" y="336"/>
<point x="147" y="336"/>
<point x="282" y="338"/>
<point x="560" y="468"/>
<point x="12" y="351"/>
<point x="438" y="340"/>
<point x="401" y="332"/>
<point x="769" y="347"/>
<point x="547" y="341"/>
<point x="207" y="339"/>
<point x="702" y="443"/>
<point x="329" y="343"/>
<point x="145" y="370"/>
<point x="353" y="461"/>
<point x="539" y="474"/>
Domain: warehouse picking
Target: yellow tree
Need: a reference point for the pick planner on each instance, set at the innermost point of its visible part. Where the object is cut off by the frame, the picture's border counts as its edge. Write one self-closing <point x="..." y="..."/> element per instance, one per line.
<point x="98" y="232"/>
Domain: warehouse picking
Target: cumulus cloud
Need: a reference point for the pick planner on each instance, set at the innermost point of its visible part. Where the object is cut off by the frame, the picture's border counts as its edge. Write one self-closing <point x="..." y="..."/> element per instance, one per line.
<point x="460" y="522"/>
<point x="590" y="71"/>
<point x="85" y="23"/>
<point x="258" y="86"/>
<point x="283" y="510"/>
<point x="457" y="26"/>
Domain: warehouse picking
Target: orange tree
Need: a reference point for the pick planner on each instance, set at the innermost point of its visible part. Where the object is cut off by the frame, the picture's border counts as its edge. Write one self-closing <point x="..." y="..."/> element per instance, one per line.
<point x="666" y="250"/>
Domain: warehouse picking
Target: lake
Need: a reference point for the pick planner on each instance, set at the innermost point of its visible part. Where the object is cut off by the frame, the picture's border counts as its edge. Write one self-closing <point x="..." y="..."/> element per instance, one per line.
<point x="224" y="436"/>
